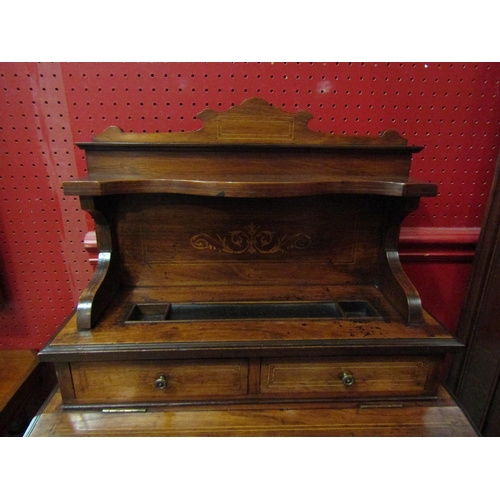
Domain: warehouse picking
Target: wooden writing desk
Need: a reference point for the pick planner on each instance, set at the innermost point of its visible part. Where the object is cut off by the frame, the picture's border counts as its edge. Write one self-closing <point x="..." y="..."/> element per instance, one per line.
<point x="248" y="281"/>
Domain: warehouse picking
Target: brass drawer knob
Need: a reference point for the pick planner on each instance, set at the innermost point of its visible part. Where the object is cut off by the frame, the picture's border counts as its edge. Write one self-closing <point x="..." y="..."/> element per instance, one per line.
<point x="161" y="382"/>
<point x="347" y="378"/>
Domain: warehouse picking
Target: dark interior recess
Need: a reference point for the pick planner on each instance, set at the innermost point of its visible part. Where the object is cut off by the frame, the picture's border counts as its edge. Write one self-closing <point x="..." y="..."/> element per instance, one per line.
<point x="159" y="312"/>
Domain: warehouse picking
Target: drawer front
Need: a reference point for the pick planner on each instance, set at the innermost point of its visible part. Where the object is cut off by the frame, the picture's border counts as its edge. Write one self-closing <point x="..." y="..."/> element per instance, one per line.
<point x="158" y="381"/>
<point x="349" y="377"/>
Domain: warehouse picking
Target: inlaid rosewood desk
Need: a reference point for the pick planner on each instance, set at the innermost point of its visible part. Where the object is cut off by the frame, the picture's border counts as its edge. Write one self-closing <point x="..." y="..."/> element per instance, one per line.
<point x="253" y="262"/>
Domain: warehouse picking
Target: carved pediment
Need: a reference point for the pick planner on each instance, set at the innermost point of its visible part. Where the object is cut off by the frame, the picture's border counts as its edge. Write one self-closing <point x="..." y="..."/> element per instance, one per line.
<point x="255" y="121"/>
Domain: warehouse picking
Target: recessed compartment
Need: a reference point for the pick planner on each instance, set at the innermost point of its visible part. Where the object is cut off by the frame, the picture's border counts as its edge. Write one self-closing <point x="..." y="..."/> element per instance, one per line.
<point x="148" y="313"/>
<point x="154" y="313"/>
<point x="238" y="311"/>
<point x="357" y="309"/>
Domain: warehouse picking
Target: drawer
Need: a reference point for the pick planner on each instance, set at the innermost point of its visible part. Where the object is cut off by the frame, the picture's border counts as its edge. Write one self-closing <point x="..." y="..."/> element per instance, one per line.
<point x="332" y="377"/>
<point x="158" y="381"/>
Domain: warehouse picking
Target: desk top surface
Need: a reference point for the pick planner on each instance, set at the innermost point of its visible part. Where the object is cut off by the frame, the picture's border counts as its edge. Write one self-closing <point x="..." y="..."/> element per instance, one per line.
<point x="440" y="417"/>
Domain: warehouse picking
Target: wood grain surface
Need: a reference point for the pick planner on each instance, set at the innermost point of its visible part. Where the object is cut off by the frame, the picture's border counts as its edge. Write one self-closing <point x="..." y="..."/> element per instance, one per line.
<point x="15" y="367"/>
<point x="441" y="418"/>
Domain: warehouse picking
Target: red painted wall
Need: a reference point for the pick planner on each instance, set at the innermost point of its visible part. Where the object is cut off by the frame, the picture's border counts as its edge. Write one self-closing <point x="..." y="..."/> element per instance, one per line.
<point x="439" y="263"/>
<point x="452" y="109"/>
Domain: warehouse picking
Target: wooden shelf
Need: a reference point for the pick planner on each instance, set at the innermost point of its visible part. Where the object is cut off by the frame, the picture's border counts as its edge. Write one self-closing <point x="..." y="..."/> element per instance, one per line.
<point x="256" y="187"/>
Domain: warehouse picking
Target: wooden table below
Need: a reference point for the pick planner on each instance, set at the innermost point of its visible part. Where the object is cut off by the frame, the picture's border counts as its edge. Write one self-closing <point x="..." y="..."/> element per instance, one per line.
<point x="24" y="386"/>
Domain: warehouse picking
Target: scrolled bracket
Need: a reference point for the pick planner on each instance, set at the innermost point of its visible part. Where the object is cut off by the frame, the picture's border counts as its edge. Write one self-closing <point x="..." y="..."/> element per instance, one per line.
<point x="104" y="283"/>
<point x="392" y="279"/>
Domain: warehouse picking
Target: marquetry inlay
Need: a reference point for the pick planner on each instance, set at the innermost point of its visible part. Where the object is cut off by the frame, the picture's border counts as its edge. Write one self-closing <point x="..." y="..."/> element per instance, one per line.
<point x="275" y="130"/>
<point x="252" y="239"/>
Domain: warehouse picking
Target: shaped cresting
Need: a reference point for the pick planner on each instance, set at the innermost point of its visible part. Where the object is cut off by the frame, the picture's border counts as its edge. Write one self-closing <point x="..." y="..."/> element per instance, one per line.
<point x="267" y="201"/>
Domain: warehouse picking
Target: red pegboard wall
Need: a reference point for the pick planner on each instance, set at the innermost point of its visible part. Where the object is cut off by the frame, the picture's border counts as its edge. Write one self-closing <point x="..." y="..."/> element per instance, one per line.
<point x="453" y="109"/>
<point x="42" y="260"/>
